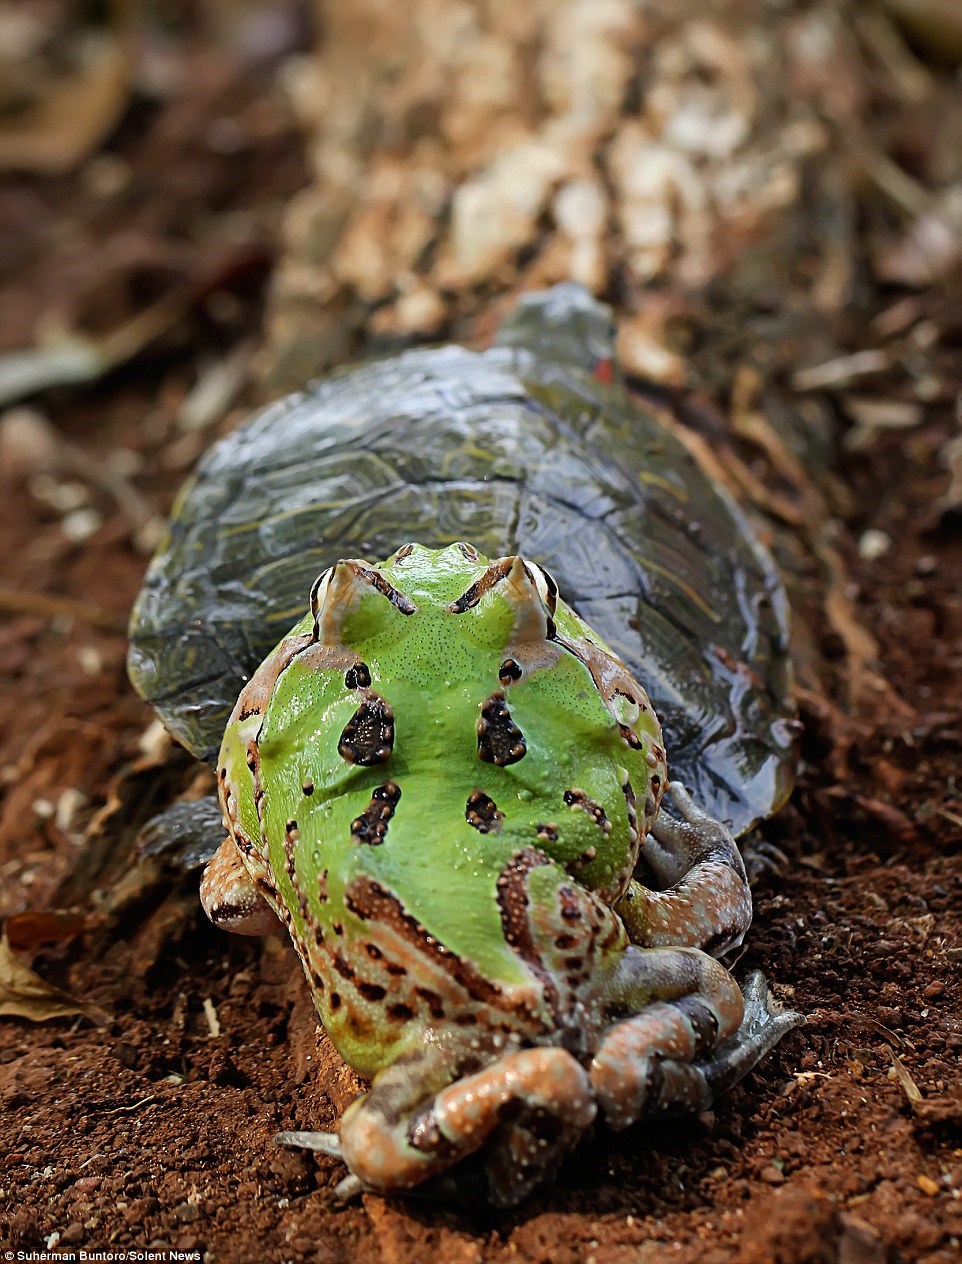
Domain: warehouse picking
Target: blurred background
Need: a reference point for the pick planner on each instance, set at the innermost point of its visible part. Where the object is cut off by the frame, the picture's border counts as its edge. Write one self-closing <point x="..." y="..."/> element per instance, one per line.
<point x="205" y="204"/>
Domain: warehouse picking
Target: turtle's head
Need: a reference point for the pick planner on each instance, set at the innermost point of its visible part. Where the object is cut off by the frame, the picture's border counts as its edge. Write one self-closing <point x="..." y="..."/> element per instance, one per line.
<point x="565" y="323"/>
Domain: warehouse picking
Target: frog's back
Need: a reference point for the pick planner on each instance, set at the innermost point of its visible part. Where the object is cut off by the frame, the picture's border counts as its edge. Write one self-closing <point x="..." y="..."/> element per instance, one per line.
<point x="518" y="451"/>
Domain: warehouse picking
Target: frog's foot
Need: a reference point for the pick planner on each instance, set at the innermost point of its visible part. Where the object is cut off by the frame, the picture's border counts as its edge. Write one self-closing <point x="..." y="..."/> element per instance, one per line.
<point x="683" y="1006"/>
<point x="762" y="1027"/>
<point x="676" y="1057"/>
<point x="705" y="901"/>
<point x="323" y="1143"/>
<point x="230" y="898"/>
<point x="528" y="1108"/>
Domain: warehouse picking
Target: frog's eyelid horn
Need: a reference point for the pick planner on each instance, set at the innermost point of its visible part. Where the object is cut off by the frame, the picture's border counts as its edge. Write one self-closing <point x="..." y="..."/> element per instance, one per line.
<point x="347" y="574"/>
<point x="540" y="579"/>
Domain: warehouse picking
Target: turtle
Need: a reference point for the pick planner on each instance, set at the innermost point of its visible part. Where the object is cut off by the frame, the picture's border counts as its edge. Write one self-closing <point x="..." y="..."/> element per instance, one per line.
<point x="446" y="771"/>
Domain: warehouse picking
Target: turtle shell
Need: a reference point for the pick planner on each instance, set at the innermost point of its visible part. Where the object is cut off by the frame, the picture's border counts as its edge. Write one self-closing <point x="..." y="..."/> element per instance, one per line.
<point x="522" y="448"/>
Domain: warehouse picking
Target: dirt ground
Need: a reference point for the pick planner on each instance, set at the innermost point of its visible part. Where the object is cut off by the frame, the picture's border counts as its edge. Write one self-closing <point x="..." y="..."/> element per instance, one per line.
<point x="179" y="227"/>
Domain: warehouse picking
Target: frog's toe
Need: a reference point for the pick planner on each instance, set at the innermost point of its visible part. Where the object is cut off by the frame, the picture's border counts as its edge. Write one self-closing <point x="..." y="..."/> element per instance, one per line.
<point x="763" y="1025"/>
<point x="322" y="1142"/>
<point x="514" y="1120"/>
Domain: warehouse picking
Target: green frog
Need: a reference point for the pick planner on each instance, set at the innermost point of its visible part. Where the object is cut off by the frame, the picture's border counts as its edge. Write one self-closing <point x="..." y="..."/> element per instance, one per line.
<point x="455" y="796"/>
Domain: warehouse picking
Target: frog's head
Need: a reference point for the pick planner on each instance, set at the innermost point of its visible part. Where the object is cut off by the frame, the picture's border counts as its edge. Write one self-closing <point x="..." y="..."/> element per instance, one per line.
<point x="469" y="677"/>
<point x="513" y="597"/>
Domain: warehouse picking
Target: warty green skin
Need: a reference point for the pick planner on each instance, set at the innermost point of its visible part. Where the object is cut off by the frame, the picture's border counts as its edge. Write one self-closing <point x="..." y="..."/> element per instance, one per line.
<point x="298" y="801"/>
<point x="441" y="781"/>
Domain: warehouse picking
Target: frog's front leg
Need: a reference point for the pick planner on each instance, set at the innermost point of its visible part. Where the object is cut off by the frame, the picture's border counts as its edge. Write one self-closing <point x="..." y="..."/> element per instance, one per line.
<point x="695" y="1034"/>
<point x="530" y="1107"/>
<point x="705" y="901"/>
<point x="230" y="896"/>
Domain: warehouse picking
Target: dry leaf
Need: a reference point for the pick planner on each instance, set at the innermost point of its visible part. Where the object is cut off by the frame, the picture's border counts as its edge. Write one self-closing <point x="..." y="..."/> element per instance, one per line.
<point x="30" y="929"/>
<point x="23" y="994"/>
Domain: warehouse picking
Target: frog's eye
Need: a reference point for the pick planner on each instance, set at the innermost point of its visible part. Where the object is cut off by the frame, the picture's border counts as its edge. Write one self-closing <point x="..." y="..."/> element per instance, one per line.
<point x="545" y="583"/>
<point x="340" y="589"/>
<point x="319" y="590"/>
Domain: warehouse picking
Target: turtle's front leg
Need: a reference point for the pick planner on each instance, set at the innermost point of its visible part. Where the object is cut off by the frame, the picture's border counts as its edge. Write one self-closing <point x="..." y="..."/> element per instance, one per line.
<point x="705" y="901"/>
<point x="530" y="1107"/>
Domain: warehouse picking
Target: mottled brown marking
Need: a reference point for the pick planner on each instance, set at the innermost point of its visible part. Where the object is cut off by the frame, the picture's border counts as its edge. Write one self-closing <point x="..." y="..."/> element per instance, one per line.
<point x="509" y="671"/>
<point x="266" y="887"/>
<point x="628" y="790"/>
<point x="495" y="573"/>
<point x="513" y="903"/>
<point x="343" y="967"/>
<point x="482" y="812"/>
<point x="370" y="901"/>
<point x="433" y="1001"/>
<point x="372" y="992"/>
<point x="632" y="697"/>
<point x="371" y="826"/>
<point x="500" y="741"/>
<point x="630" y="736"/>
<point x="547" y="833"/>
<point x="400" y="1013"/>
<point x="368" y="736"/>
<point x="570" y="905"/>
<point x="578" y="799"/>
<point x="357" y="677"/>
<point x="307" y="786"/>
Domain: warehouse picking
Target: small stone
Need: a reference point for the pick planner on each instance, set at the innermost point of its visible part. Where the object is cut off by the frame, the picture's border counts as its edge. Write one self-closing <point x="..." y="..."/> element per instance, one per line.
<point x="934" y="990"/>
<point x="75" y="1233"/>
<point x="772" y="1175"/>
<point x="873" y="544"/>
<point x="928" y="1187"/>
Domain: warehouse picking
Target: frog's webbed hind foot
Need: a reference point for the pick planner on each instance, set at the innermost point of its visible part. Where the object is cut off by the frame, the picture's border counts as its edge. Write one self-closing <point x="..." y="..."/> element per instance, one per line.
<point x="703" y="900"/>
<point x="527" y="1108"/>
<point x="680" y="1053"/>
<point x="762" y="1027"/>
